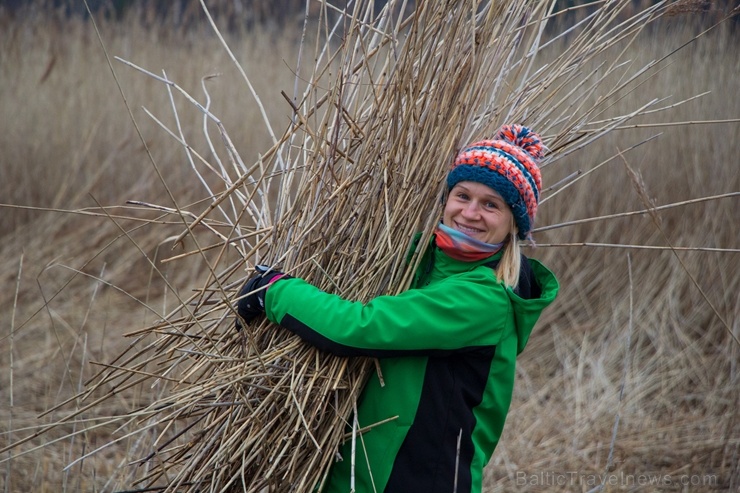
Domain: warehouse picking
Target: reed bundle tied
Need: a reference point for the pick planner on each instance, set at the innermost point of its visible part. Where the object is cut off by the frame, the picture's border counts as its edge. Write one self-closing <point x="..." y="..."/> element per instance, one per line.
<point x="394" y="91"/>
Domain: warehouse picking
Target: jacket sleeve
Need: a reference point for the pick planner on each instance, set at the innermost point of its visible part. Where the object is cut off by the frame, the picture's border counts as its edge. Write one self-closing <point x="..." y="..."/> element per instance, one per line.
<point x="463" y="312"/>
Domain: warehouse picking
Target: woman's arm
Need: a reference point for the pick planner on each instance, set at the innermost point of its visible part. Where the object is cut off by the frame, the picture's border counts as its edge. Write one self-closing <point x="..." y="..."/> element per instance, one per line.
<point x="466" y="311"/>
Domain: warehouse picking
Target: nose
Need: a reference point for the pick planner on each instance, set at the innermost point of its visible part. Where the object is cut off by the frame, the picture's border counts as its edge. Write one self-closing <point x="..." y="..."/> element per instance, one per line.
<point x="470" y="211"/>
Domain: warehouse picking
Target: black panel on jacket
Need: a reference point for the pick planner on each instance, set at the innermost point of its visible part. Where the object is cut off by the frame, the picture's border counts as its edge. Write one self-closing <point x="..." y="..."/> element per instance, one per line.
<point x="428" y="458"/>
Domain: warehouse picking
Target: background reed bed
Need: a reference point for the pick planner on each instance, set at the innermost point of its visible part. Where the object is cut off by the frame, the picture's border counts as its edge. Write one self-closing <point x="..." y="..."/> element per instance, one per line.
<point x="633" y="371"/>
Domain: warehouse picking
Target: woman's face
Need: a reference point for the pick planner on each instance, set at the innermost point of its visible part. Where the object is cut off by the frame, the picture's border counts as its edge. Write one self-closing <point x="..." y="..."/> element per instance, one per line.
<point x="478" y="211"/>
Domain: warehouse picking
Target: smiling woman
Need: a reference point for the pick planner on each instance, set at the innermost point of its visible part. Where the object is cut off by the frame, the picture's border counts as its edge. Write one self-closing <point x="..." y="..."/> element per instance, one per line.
<point x="480" y="212"/>
<point x="494" y="190"/>
<point x="447" y="347"/>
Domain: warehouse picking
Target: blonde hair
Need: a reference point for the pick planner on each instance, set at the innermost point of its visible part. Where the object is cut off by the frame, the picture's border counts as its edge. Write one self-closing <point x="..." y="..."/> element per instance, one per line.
<point x="508" y="268"/>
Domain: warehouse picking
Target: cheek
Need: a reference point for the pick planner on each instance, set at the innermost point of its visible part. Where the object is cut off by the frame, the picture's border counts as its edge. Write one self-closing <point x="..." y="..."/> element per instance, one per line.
<point x="504" y="224"/>
<point x="500" y="223"/>
<point x="447" y="213"/>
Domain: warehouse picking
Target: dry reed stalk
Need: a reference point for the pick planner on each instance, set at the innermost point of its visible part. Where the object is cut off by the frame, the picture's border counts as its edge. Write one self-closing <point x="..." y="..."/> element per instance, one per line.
<point x="11" y="369"/>
<point x="336" y="200"/>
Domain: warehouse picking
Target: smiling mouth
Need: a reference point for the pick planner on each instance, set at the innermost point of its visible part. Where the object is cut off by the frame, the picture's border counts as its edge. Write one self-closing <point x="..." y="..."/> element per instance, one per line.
<point x="467" y="229"/>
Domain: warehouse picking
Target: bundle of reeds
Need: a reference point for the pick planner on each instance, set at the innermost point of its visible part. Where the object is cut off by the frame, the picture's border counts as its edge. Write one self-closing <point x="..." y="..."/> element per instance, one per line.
<point x="394" y="91"/>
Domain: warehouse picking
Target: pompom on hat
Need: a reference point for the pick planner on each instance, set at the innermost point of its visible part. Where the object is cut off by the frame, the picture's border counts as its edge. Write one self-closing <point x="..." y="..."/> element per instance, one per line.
<point x="508" y="164"/>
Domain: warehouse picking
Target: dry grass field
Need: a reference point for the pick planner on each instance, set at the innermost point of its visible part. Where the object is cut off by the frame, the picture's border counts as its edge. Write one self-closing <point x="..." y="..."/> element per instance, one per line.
<point x="631" y="381"/>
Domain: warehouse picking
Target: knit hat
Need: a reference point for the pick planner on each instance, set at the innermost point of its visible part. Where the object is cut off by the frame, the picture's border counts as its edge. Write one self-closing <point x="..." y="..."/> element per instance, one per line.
<point x="507" y="164"/>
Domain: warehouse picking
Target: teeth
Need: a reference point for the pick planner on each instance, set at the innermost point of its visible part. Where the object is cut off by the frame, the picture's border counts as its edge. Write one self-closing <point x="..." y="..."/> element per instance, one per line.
<point x="468" y="230"/>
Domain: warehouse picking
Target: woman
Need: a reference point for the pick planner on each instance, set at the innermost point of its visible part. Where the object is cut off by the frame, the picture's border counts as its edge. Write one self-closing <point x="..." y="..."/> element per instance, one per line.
<point x="447" y="346"/>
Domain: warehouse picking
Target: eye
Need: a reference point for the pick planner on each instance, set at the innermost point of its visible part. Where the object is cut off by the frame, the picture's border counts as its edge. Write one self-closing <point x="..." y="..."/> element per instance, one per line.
<point x="491" y="205"/>
<point x="463" y="196"/>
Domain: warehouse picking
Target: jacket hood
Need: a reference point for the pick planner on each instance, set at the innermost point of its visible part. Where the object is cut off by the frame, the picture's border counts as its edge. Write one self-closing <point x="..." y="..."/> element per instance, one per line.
<point x="527" y="311"/>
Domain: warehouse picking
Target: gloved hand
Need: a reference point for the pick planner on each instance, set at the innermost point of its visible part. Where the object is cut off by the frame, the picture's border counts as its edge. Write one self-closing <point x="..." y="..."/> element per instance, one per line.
<point x="252" y="305"/>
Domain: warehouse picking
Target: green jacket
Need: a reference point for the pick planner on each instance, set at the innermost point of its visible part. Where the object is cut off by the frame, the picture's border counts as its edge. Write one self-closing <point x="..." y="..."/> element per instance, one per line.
<point x="447" y="350"/>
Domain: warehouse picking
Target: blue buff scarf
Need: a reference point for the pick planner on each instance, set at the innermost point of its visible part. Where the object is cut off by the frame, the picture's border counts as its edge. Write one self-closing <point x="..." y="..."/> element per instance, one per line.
<point x="460" y="246"/>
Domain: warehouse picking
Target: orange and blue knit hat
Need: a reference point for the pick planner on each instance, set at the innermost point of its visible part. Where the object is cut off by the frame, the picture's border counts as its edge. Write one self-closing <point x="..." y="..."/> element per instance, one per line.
<point x="508" y="164"/>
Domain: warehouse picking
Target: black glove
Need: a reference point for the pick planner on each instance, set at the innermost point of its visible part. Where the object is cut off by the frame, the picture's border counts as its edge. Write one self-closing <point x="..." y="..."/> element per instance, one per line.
<point x="252" y="305"/>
